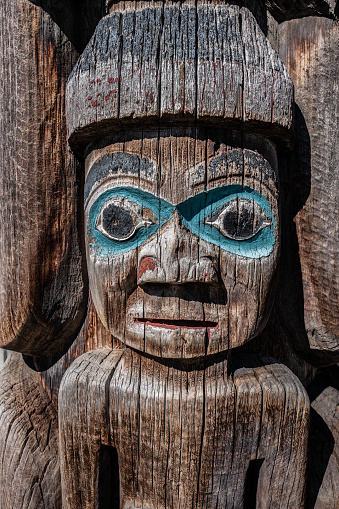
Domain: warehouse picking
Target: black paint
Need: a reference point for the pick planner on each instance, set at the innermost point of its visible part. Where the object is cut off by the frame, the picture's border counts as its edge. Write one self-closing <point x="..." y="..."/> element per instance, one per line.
<point x="239" y="223"/>
<point x="117" y="221"/>
<point x="129" y="164"/>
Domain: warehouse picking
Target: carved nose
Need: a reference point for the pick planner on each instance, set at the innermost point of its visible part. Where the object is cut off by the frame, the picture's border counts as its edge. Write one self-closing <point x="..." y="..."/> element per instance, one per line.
<point x="183" y="271"/>
<point x="169" y="259"/>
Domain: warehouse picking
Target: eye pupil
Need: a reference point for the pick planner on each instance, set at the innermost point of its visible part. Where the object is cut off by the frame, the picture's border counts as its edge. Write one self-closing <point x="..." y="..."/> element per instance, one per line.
<point x="117" y="221"/>
<point x="239" y="223"/>
<point x="240" y="219"/>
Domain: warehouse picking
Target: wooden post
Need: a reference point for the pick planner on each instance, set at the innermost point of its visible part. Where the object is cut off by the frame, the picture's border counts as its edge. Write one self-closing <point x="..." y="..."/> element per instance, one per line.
<point x="43" y="284"/>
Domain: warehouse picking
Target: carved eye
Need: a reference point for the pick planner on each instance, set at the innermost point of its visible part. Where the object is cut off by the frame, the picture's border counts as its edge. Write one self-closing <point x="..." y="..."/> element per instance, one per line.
<point x="240" y="219"/>
<point x="118" y="223"/>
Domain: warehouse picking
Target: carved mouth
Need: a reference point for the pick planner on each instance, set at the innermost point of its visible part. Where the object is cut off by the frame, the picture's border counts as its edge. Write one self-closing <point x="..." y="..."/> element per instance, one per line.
<point x="177" y="324"/>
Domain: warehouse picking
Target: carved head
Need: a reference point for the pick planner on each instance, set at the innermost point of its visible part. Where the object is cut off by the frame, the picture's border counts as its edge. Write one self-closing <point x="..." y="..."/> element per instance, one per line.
<point x="182" y="238"/>
<point x="182" y="223"/>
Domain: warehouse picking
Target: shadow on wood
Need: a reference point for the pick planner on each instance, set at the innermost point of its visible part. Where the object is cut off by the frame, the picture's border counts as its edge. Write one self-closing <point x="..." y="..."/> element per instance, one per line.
<point x="323" y="450"/>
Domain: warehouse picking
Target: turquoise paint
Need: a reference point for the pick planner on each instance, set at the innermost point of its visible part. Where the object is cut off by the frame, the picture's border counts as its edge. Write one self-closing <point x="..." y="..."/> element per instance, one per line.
<point x="196" y="210"/>
<point x="109" y="247"/>
<point x="193" y="214"/>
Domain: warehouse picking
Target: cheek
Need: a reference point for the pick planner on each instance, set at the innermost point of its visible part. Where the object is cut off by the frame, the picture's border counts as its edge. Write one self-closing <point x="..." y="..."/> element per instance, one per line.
<point x="112" y="280"/>
<point x="248" y="284"/>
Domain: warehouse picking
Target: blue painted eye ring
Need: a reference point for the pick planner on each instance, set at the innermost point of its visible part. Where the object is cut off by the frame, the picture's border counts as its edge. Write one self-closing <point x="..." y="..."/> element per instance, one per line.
<point x="193" y="213"/>
<point x="106" y="246"/>
<point x="217" y="220"/>
<point x="138" y="221"/>
<point x="197" y="209"/>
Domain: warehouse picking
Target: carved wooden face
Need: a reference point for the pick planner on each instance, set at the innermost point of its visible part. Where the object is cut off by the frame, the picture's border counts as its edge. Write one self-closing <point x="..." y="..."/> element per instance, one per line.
<point x="182" y="239"/>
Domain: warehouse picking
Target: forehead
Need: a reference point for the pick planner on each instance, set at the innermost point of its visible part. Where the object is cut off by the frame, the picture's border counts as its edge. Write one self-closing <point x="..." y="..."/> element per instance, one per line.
<point x="178" y="163"/>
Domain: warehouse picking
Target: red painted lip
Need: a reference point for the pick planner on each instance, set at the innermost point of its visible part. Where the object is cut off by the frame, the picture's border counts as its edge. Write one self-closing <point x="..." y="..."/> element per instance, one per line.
<point x="177" y="324"/>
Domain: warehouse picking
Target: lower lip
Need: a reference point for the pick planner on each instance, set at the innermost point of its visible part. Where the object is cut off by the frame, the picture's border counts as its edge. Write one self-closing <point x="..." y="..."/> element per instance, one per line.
<point x="177" y="324"/>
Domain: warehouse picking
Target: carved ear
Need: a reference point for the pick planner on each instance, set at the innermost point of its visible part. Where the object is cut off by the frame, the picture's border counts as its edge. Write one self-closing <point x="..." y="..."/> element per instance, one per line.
<point x="43" y="289"/>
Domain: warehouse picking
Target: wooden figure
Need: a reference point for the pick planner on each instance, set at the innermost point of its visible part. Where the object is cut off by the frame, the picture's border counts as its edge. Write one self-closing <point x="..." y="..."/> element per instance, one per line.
<point x="182" y="242"/>
<point x="195" y="154"/>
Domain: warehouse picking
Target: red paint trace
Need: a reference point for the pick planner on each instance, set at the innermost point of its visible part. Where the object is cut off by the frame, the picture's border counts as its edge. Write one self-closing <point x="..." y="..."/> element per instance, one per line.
<point x="177" y="324"/>
<point x="146" y="264"/>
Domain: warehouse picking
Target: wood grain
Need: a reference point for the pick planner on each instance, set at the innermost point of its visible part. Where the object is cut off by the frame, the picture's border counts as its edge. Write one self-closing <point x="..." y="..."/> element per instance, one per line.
<point x="92" y="335"/>
<point x="30" y="471"/>
<point x="43" y="284"/>
<point x="310" y="282"/>
<point x="184" y="437"/>
<point x="83" y="391"/>
<point x="282" y="10"/>
<point x="229" y="429"/>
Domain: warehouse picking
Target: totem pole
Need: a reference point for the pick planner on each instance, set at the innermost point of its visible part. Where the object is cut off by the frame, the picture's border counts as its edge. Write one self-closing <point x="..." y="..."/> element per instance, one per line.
<point x="169" y="281"/>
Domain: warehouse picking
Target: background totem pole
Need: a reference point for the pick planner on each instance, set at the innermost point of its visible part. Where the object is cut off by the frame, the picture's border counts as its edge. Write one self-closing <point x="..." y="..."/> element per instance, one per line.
<point x="169" y="238"/>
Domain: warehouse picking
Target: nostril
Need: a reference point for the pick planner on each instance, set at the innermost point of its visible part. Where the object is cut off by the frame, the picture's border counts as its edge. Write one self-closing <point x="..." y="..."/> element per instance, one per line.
<point x="146" y="265"/>
<point x="205" y="272"/>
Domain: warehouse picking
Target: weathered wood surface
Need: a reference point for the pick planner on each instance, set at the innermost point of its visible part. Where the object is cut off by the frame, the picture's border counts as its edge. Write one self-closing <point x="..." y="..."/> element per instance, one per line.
<point x="184" y="438"/>
<point x="204" y="63"/>
<point x="192" y="160"/>
<point x="29" y="450"/>
<point x="282" y="349"/>
<point x="93" y="335"/>
<point x="84" y="389"/>
<point x="323" y="461"/>
<point x="42" y="281"/>
<point x="310" y="264"/>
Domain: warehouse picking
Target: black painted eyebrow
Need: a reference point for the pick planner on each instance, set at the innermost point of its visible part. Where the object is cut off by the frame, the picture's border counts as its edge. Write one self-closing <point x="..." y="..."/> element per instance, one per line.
<point x="110" y="164"/>
<point x="254" y="161"/>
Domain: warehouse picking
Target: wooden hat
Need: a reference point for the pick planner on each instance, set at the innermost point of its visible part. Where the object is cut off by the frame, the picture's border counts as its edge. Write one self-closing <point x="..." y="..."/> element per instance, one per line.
<point x="178" y="64"/>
